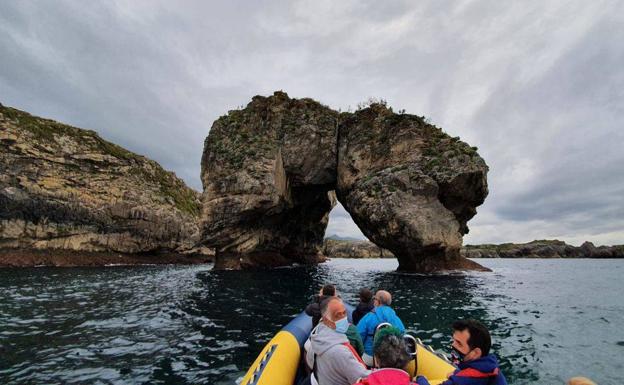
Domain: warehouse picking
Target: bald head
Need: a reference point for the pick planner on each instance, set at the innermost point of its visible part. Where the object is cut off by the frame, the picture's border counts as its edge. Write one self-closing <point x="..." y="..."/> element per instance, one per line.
<point x="332" y="309"/>
<point x="580" y="381"/>
<point x="382" y="297"/>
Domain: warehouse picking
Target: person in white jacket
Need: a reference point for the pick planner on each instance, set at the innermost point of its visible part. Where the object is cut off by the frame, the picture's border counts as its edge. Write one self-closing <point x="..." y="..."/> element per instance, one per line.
<point x="332" y="358"/>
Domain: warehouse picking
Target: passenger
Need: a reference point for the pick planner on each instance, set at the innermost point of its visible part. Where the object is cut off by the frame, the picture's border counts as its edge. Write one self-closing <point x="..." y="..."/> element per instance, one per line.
<point x="365" y="305"/>
<point x="580" y="381"/>
<point x="314" y="309"/>
<point x="471" y="353"/>
<point x="391" y="358"/>
<point x="352" y="335"/>
<point x="332" y="358"/>
<point x="368" y="324"/>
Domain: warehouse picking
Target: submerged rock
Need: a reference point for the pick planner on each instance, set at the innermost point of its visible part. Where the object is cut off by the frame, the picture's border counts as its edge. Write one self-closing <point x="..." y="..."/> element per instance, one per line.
<point x="269" y="172"/>
<point x="64" y="188"/>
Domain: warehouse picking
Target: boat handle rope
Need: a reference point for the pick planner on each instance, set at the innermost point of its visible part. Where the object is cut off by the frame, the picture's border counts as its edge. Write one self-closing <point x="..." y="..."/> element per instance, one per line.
<point x="260" y="368"/>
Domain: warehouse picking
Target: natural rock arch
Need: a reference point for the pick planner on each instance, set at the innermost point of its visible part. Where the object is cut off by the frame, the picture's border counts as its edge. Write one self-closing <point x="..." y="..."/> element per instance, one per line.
<point x="272" y="171"/>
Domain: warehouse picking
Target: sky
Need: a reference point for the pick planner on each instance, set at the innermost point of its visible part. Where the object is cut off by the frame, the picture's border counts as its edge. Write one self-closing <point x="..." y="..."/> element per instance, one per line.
<point x="537" y="86"/>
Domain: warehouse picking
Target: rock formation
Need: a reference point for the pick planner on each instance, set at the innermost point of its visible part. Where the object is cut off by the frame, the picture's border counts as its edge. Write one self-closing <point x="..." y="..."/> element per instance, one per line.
<point x="359" y="249"/>
<point x="269" y="172"/>
<point x="543" y="249"/>
<point x="66" y="189"/>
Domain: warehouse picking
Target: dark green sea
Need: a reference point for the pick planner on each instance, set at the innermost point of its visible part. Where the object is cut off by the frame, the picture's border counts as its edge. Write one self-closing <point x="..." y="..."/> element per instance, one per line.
<point x="550" y="319"/>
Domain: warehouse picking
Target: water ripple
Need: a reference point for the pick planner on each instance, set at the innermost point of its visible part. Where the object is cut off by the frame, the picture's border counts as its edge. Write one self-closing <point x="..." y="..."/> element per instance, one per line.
<point x="190" y="325"/>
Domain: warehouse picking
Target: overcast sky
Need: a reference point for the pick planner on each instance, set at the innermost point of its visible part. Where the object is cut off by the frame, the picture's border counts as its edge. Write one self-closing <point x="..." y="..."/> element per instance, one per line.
<point x="538" y="86"/>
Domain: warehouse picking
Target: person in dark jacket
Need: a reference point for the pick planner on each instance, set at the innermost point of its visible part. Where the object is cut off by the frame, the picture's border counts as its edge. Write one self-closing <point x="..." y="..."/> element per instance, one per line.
<point x="314" y="309"/>
<point x="365" y="305"/>
<point x="471" y="353"/>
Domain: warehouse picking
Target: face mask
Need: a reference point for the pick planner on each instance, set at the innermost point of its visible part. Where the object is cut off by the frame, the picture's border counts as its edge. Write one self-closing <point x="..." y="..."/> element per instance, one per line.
<point x="342" y="325"/>
<point x="456" y="355"/>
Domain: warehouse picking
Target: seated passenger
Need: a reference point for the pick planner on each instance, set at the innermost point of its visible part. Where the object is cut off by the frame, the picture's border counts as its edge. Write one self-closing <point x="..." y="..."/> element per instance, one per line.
<point x="391" y="359"/>
<point x="332" y="358"/>
<point x="314" y="309"/>
<point x="471" y="353"/>
<point x="365" y="305"/>
<point x="381" y="313"/>
<point x="352" y="335"/>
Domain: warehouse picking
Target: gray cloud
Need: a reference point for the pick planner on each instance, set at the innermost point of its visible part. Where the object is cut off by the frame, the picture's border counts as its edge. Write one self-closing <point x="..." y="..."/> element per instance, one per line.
<point x="537" y="86"/>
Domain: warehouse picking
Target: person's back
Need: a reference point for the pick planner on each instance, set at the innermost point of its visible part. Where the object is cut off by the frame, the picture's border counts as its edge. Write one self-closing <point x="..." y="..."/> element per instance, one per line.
<point x="364" y="307"/>
<point x="380" y="314"/>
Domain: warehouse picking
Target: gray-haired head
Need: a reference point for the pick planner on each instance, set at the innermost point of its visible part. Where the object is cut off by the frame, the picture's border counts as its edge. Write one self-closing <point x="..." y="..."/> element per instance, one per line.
<point x="391" y="351"/>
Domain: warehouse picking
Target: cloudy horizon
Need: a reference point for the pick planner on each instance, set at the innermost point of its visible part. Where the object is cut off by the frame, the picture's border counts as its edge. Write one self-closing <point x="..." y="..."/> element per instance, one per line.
<point x="537" y="86"/>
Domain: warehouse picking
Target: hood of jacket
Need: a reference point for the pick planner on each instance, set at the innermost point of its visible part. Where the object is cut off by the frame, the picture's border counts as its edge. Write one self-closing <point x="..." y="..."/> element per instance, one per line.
<point x="323" y="337"/>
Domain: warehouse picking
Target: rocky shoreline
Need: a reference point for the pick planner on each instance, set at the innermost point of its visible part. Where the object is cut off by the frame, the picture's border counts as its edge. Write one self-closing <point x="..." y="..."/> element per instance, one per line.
<point x="69" y="258"/>
<point x="543" y="249"/>
<point x="536" y="249"/>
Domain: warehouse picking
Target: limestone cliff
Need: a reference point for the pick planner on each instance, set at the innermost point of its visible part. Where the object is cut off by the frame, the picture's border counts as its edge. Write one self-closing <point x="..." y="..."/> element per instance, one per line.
<point x="271" y="169"/>
<point x="66" y="189"/>
<point x="267" y="172"/>
<point x="409" y="187"/>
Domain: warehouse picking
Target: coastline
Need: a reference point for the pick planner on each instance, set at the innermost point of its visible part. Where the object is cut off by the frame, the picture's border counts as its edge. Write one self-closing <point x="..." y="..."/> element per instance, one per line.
<point x="15" y="258"/>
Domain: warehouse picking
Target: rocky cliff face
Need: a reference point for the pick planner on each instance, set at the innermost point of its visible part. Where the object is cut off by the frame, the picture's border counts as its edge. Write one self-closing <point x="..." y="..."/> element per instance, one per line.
<point x="64" y="188"/>
<point x="543" y="249"/>
<point x="269" y="172"/>
<point x="409" y="187"/>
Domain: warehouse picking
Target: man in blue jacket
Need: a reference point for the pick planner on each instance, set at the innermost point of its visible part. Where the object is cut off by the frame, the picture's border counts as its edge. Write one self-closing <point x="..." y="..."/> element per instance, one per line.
<point x="471" y="353"/>
<point x="380" y="314"/>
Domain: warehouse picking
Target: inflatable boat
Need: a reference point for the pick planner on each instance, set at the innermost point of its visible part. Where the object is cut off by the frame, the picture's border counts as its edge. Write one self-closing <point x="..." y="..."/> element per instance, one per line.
<point x="280" y="362"/>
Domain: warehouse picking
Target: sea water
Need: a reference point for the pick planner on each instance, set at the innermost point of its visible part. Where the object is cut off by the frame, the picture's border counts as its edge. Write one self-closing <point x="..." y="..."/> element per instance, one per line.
<point x="550" y="319"/>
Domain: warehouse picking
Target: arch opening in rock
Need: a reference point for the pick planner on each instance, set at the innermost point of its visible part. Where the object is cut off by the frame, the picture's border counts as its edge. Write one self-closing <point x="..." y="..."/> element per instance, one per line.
<point x="270" y="169"/>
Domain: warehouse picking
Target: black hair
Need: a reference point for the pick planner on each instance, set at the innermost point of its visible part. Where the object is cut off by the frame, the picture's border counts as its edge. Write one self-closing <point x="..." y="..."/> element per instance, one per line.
<point x="479" y="335"/>
<point x="366" y="295"/>
<point x="328" y="290"/>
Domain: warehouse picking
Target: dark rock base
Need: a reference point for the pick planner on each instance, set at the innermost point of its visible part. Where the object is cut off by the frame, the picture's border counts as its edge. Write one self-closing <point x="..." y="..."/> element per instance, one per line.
<point x="436" y="265"/>
<point x="69" y="258"/>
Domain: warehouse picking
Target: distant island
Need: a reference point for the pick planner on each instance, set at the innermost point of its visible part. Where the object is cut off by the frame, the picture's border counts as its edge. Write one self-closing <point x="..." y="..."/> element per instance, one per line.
<point x="337" y="247"/>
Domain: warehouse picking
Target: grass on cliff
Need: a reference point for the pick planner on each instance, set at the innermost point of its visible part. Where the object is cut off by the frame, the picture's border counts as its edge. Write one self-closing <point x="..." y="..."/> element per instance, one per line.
<point x="46" y="130"/>
<point x="183" y="197"/>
